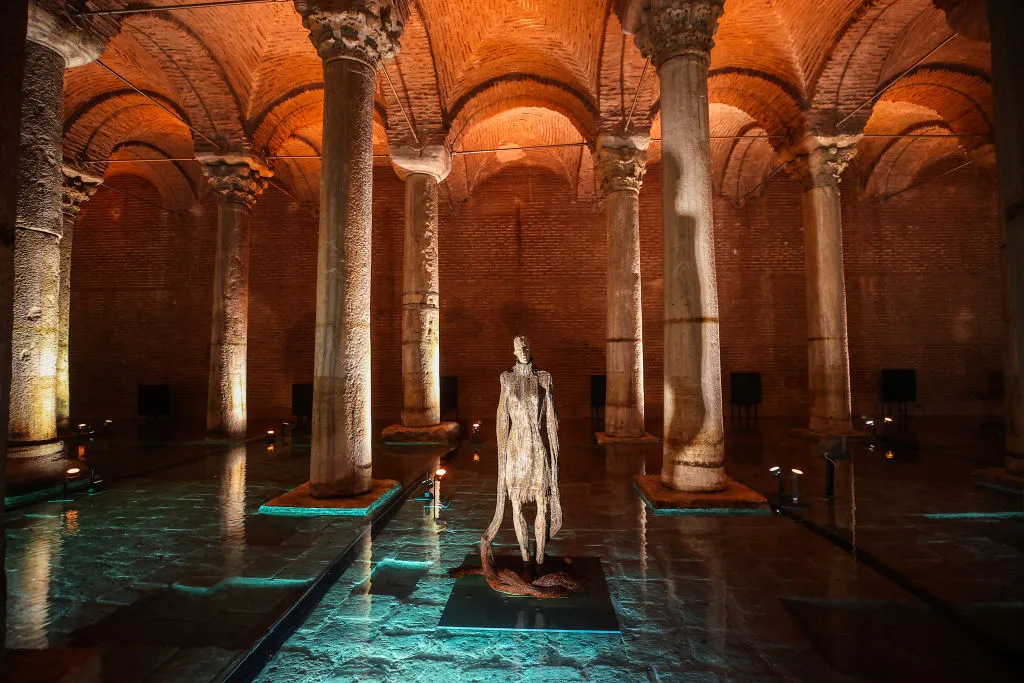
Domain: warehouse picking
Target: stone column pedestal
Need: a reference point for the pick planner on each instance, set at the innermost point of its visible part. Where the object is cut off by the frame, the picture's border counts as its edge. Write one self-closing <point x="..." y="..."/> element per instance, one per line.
<point x="818" y="164"/>
<point x="620" y="164"/>
<point x="421" y="424"/>
<point x="238" y="181"/>
<point x="352" y="39"/>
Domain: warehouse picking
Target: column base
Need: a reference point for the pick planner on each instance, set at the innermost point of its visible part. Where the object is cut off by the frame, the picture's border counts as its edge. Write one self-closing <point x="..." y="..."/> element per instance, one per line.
<point x="441" y="434"/>
<point x="735" y="499"/>
<point x="1000" y="479"/>
<point x="300" y="503"/>
<point x="68" y="665"/>
<point x="604" y="439"/>
<point x="35" y="449"/>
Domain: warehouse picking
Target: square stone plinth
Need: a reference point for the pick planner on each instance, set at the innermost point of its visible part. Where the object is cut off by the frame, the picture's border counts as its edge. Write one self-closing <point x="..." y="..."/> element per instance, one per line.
<point x="604" y="439"/>
<point x="299" y="503"/>
<point x="1000" y="479"/>
<point x="736" y="499"/>
<point x="70" y="665"/>
<point x="445" y="433"/>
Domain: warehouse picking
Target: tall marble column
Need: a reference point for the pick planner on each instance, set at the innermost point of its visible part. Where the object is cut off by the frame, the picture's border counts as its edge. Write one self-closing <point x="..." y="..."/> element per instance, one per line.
<point x="678" y="35"/>
<point x="818" y="165"/>
<point x="76" y="190"/>
<point x="238" y="181"/>
<point x="52" y="47"/>
<point x="352" y="37"/>
<point x="1005" y="23"/>
<point x="422" y="170"/>
<point x="620" y="164"/>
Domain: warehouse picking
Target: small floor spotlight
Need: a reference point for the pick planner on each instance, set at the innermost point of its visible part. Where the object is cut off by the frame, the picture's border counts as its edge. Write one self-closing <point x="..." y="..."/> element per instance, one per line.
<point x="777" y="473"/>
<point x="888" y="419"/>
<point x="439" y="474"/>
<point x="269" y="437"/>
<point x="796" y="483"/>
<point x="69" y="474"/>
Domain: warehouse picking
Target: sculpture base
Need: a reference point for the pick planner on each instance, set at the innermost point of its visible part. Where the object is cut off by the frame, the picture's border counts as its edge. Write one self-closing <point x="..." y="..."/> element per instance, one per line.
<point x="475" y="606"/>
<point x="444" y="433"/>
<point x="70" y="665"/>
<point x="1000" y="479"/>
<point x="36" y="449"/>
<point x="603" y="439"/>
<point x="735" y="499"/>
<point x="299" y="503"/>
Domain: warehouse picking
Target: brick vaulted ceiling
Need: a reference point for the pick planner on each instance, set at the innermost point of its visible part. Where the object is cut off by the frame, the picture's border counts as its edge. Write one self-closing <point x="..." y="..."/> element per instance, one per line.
<point x="546" y="75"/>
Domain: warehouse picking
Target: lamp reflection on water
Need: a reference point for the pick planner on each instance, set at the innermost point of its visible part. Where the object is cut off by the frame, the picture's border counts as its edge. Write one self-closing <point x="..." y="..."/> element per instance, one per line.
<point x="232" y="511"/>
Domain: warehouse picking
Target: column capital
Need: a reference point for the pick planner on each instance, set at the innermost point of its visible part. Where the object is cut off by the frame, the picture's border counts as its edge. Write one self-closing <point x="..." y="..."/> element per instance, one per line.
<point x="969" y="18"/>
<point x="367" y="31"/>
<point x="434" y="160"/>
<point x="76" y="189"/>
<point x="51" y="27"/>
<point x="237" y="179"/>
<point x="621" y="161"/>
<point x="819" y="161"/>
<point x="672" y="28"/>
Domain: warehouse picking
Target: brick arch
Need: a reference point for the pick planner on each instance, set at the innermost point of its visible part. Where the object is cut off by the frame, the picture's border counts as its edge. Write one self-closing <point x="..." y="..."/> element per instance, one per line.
<point x="775" y="104"/>
<point x="904" y="159"/>
<point x="200" y="81"/>
<point x="177" y="183"/>
<point x="850" y="75"/>
<point x="527" y="125"/>
<point x="741" y="157"/>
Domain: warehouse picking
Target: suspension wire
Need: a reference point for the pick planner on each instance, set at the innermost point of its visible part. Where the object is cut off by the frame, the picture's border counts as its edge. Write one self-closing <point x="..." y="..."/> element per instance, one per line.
<point x="401" y="105"/>
<point x="140" y="199"/>
<point x="893" y="82"/>
<point x="918" y="184"/>
<point x="172" y="113"/>
<point x="629" y="119"/>
<point x="175" y="8"/>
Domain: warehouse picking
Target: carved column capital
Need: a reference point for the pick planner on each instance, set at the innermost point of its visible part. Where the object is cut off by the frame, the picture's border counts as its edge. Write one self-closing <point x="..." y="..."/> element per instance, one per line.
<point x="50" y="26"/>
<point x="236" y="179"/>
<point x="671" y="28"/>
<point x="969" y="18"/>
<point x="433" y="160"/>
<point x="620" y="162"/>
<point x="76" y="189"/>
<point x="364" y="30"/>
<point x="820" y="161"/>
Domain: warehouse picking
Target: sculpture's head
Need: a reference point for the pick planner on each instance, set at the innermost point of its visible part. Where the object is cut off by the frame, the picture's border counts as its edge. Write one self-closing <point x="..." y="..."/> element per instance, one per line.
<point x="523" y="351"/>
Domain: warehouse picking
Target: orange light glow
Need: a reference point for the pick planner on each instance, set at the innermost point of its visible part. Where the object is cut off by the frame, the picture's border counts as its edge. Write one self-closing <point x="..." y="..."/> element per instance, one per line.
<point x="441" y="471"/>
<point x="72" y="471"/>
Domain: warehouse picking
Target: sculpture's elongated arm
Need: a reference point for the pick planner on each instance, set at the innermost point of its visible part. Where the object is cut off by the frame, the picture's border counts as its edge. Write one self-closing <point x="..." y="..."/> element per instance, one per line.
<point x="502" y="430"/>
<point x="551" y="419"/>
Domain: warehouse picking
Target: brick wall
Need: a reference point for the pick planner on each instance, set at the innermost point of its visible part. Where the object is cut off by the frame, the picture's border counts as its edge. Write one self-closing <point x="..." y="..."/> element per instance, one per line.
<point x="520" y="257"/>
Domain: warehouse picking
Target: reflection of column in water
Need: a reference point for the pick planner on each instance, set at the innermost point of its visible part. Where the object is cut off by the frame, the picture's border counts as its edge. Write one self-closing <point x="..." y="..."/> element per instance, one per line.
<point x="701" y="534"/>
<point x="232" y="511"/>
<point x="431" y="540"/>
<point x="28" y="592"/>
<point x="361" y="599"/>
<point x="642" y="516"/>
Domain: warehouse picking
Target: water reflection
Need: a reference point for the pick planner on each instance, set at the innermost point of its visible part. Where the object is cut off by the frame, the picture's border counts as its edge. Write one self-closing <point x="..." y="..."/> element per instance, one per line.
<point x="29" y="605"/>
<point x="232" y="511"/>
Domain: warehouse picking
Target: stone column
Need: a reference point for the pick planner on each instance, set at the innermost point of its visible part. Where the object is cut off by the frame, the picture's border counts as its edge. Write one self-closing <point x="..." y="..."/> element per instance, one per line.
<point x="678" y="35"/>
<point x="352" y="37"/>
<point x="620" y="166"/>
<point x="422" y="170"/>
<point x="237" y="182"/>
<point x="13" y="20"/>
<point x="52" y="47"/>
<point x="818" y="165"/>
<point x="76" y="190"/>
<point x="1005" y="22"/>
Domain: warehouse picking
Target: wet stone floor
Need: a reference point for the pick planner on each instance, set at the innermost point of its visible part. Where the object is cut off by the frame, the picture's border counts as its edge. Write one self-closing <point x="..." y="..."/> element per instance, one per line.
<point x="911" y="573"/>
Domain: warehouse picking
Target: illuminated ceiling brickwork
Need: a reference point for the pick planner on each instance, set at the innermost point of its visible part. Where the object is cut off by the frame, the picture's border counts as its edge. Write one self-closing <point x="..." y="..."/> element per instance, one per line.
<point x="546" y="75"/>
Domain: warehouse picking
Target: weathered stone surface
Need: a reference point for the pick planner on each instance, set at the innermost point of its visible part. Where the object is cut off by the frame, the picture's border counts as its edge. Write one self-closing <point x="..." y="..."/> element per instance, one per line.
<point x="364" y="30"/>
<point x="442" y="433"/>
<point x="735" y="497"/>
<point x="674" y="28"/>
<point x="1000" y="478"/>
<point x="300" y="502"/>
<point x="71" y="665"/>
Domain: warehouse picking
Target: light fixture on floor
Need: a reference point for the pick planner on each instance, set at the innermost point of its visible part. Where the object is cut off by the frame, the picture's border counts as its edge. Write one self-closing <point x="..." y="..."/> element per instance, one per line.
<point x="69" y="474"/>
<point x="777" y="473"/>
<point x="269" y="438"/>
<point x="796" y="474"/>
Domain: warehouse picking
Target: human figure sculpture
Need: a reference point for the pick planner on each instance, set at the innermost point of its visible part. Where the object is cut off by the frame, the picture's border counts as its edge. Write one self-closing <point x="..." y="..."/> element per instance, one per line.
<point x="527" y="452"/>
